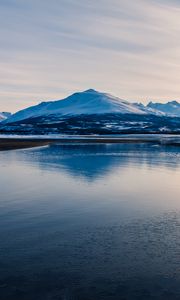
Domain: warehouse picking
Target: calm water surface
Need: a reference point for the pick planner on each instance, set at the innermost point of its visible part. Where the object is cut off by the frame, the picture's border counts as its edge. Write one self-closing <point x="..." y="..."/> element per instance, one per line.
<point x="90" y="222"/>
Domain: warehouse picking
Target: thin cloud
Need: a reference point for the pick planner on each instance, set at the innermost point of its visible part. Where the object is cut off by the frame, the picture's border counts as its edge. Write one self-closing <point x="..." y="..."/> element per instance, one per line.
<point x="128" y="48"/>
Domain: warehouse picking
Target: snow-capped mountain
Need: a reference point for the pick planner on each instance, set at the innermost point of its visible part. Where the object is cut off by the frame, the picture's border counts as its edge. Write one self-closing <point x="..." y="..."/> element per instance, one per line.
<point x="171" y="108"/>
<point x="83" y="103"/>
<point x="4" y="116"/>
<point x="92" y="112"/>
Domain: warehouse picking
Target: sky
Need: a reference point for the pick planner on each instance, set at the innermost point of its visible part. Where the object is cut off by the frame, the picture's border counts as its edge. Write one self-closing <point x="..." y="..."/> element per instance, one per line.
<point x="50" y="49"/>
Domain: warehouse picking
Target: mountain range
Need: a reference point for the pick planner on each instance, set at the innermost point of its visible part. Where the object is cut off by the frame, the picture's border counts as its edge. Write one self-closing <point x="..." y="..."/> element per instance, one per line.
<point x="92" y="112"/>
<point x="171" y="108"/>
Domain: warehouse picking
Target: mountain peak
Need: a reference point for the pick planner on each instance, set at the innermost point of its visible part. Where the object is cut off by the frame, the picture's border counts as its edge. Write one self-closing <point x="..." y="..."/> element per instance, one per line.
<point x="174" y="102"/>
<point x="91" y="91"/>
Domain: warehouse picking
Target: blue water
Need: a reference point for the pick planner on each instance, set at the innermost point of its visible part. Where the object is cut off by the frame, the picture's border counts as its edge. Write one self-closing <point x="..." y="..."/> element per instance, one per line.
<point x="90" y="222"/>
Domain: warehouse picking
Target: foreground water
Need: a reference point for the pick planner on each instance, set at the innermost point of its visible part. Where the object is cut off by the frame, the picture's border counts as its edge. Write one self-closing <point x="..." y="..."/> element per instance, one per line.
<point x="90" y="222"/>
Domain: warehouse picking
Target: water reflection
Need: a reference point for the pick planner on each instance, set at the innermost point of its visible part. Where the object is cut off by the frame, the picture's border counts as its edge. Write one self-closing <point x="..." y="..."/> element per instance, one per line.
<point x="97" y="160"/>
<point x="90" y="222"/>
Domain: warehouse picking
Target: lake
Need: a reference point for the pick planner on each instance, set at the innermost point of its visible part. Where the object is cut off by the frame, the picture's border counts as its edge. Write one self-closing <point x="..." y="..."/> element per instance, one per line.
<point x="90" y="222"/>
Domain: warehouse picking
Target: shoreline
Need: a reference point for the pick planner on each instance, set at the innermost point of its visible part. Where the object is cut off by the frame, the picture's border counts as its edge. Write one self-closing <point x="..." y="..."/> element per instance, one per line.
<point x="13" y="143"/>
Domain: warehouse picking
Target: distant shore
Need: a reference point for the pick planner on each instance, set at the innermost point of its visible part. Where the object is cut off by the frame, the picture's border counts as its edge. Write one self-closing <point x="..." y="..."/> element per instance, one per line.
<point x="10" y="143"/>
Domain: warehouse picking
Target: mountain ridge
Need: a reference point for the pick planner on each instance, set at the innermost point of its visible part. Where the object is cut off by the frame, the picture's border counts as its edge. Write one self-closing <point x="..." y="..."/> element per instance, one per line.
<point x="170" y="108"/>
